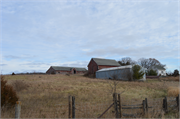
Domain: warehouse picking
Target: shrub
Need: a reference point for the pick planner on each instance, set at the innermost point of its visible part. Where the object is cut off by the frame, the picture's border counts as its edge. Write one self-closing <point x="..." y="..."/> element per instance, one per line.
<point x="13" y="73"/>
<point x="137" y="73"/>
<point x="151" y="73"/>
<point x="19" y="85"/>
<point x="8" y="94"/>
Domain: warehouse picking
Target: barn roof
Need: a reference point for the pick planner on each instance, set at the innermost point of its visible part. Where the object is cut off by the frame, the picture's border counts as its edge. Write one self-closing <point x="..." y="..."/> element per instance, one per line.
<point x="68" y="68"/>
<point x="109" y="62"/>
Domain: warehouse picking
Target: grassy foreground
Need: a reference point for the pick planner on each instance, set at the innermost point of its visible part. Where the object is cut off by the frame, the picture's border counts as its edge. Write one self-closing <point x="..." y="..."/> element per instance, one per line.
<point x="45" y="91"/>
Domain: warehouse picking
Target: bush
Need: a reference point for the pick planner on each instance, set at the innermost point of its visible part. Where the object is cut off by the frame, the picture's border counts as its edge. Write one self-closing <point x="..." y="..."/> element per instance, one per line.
<point x="13" y="73"/>
<point x="151" y="73"/>
<point x="137" y="73"/>
<point x="8" y="95"/>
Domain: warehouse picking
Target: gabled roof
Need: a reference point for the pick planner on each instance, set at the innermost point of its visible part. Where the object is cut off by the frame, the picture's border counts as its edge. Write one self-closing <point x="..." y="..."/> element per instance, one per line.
<point x="158" y="67"/>
<point x="68" y="68"/>
<point x="108" y="62"/>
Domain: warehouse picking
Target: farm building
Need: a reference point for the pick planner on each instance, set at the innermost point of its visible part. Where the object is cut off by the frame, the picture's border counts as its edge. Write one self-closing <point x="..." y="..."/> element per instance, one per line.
<point x="121" y="73"/>
<point x="96" y="64"/>
<point x="65" y="70"/>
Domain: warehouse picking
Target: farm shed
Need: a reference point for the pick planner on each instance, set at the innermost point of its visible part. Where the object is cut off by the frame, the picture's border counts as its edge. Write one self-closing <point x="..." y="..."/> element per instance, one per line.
<point x="65" y="70"/>
<point x="96" y="64"/>
<point x="120" y="73"/>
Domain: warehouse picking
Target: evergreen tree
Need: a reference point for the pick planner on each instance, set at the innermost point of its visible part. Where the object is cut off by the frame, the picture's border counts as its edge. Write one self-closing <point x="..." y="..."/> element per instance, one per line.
<point x="151" y="73"/>
<point x="137" y="73"/>
<point x="176" y="73"/>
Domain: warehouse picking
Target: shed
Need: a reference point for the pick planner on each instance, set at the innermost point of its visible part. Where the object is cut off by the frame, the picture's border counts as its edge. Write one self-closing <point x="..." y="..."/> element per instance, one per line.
<point x="120" y="73"/>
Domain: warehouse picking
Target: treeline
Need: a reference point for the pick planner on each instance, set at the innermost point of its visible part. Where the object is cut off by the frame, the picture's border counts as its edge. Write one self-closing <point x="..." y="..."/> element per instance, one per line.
<point x="147" y="63"/>
<point x="28" y="73"/>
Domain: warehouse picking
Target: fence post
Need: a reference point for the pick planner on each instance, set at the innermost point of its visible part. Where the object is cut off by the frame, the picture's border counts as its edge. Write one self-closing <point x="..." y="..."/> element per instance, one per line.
<point x="120" y="107"/>
<point x="18" y="110"/>
<point x="73" y="107"/>
<point x="115" y="104"/>
<point x="70" y="106"/>
<point x="165" y="104"/>
<point x="177" y="99"/>
<point x="144" y="108"/>
<point x="146" y="105"/>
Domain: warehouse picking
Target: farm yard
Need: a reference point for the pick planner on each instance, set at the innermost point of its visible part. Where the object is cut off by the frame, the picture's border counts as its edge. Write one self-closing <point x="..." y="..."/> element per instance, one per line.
<point x="46" y="96"/>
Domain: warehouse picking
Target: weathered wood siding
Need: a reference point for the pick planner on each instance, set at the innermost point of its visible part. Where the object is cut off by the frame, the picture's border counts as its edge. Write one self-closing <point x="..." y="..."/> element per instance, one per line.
<point x="92" y="67"/>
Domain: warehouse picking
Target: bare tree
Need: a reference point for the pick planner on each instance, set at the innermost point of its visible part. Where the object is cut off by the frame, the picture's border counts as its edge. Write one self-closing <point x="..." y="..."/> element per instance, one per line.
<point x="147" y="63"/>
<point x="126" y="61"/>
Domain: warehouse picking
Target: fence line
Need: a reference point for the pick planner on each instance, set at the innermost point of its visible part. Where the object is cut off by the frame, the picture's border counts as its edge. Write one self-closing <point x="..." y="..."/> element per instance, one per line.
<point x="103" y="110"/>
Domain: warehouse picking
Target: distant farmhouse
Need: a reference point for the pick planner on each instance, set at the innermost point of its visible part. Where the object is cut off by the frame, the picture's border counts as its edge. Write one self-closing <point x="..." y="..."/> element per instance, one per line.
<point x="65" y="70"/>
<point x="159" y="70"/>
<point x="96" y="64"/>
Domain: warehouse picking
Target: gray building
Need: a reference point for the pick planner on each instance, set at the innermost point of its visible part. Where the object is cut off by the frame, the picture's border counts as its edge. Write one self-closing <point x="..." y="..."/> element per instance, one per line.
<point x="120" y="73"/>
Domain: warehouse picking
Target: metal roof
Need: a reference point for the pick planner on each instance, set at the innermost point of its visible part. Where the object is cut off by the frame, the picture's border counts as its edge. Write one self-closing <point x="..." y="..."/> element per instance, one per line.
<point x="109" y="62"/>
<point x="68" y="68"/>
<point x="115" y="68"/>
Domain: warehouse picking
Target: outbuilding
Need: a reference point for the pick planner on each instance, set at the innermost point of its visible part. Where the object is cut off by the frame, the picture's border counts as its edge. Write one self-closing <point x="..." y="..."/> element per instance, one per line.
<point x="65" y="70"/>
<point x="120" y="73"/>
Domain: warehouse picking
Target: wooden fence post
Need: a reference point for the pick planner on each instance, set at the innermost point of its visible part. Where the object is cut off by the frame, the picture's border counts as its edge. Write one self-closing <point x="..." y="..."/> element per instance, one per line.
<point x="144" y="107"/>
<point x="165" y="107"/>
<point x="73" y="107"/>
<point x="70" y="106"/>
<point x="18" y="110"/>
<point x="120" y="106"/>
<point x="177" y="99"/>
<point x="115" y="105"/>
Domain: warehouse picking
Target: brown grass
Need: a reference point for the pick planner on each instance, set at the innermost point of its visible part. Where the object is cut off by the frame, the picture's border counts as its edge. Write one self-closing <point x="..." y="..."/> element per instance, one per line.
<point x="173" y="91"/>
<point x="44" y="92"/>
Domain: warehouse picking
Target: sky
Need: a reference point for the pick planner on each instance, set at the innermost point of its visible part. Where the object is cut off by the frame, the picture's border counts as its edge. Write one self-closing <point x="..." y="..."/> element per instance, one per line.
<point x="37" y="34"/>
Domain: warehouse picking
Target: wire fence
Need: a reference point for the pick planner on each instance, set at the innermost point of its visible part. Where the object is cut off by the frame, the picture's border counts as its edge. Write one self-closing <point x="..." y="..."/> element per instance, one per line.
<point x="89" y="110"/>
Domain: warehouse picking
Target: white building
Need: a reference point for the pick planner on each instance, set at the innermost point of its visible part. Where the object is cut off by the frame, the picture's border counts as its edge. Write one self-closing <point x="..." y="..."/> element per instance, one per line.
<point x="159" y="70"/>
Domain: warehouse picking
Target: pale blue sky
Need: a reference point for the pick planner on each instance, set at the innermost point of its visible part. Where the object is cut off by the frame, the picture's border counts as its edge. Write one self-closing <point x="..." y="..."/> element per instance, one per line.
<point x="38" y="34"/>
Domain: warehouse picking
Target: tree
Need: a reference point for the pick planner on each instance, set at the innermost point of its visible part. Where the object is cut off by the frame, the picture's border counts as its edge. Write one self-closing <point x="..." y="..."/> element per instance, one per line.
<point x="137" y="72"/>
<point x="169" y="73"/>
<point x="126" y="61"/>
<point x="151" y="73"/>
<point x="147" y="63"/>
<point x="176" y="73"/>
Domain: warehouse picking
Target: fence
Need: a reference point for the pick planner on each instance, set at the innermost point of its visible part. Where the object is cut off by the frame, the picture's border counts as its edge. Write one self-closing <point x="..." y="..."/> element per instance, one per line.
<point x="116" y="109"/>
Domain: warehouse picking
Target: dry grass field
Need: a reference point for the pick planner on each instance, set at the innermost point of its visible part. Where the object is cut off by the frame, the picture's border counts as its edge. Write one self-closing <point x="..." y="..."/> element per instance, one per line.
<point x="40" y="94"/>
